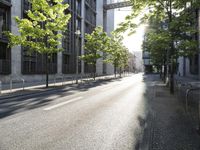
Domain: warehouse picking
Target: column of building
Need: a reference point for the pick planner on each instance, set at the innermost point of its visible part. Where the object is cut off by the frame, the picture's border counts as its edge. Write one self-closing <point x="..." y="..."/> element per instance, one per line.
<point x="99" y="22"/>
<point x="82" y="33"/>
<point x="16" y="10"/>
<point x="109" y="16"/>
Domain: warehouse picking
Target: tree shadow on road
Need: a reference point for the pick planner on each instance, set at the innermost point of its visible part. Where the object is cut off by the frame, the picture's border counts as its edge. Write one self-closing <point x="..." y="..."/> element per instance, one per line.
<point x="145" y="121"/>
<point x="28" y="99"/>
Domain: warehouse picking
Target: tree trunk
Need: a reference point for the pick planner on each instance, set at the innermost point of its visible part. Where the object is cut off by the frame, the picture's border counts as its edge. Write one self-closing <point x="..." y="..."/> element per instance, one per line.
<point x="115" y="71"/>
<point x="120" y="72"/>
<point x="160" y="72"/>
<point x="47" y="71"/>
<point x="171" y="52"/>
<point x="165" y="73"/>
<point x="172" y="78"/>
<point x="94" y="71"/>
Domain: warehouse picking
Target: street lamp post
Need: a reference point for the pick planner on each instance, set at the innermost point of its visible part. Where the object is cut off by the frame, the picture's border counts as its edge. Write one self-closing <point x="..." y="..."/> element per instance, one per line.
<point x="77" y="33"/>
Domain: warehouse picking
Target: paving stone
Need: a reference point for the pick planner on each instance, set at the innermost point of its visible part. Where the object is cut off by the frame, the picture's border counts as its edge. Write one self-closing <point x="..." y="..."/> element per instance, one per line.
<point x="172" y="128"/>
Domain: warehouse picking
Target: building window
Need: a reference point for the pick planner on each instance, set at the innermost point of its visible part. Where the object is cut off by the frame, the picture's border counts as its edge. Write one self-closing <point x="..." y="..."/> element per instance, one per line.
<point x="78" y="24"/>
<point x="194" y="64"/>
<point x="35" y="63"/>
<point x="5" y="63"/>
<point x="67" y="67"/>
<point x="4" y="16"/>
<point x="78" y="7"/>
<point x="26" y="6"/>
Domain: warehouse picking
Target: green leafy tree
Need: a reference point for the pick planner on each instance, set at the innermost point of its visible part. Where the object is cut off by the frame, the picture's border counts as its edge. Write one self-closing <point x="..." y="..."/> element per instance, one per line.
<point x="96" y="43"/>
<point x="124" y="59"/>
<point x="116" y="53"/>
<point x="157" y="43"/>
<point x="174" y="13"/>
<point x="41" y="30"/>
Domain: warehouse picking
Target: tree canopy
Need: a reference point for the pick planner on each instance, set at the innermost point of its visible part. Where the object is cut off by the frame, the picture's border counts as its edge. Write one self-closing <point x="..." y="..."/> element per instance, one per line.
<point x="41" y="30"/>
<point x="176" y="18"/>
<point x="99" y="45"/>
<point x="95" y="44"/>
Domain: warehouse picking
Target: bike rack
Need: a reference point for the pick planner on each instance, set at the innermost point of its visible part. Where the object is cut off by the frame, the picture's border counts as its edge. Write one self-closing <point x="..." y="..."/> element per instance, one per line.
<point x="58" y="77"/>
<point x="0" y="87"/>
<point x="69" y="78"/>
<point x="16" y="80"/>
<point x="189" y="90"/>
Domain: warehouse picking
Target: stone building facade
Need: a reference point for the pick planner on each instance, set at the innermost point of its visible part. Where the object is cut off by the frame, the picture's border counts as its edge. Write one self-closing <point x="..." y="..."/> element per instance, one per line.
<point x="16" y="62"/>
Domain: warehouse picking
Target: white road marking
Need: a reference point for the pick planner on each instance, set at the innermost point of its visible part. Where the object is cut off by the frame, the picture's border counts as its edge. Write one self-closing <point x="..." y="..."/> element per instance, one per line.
<point x="107" y="88"/>
<point x="63" y="103"/>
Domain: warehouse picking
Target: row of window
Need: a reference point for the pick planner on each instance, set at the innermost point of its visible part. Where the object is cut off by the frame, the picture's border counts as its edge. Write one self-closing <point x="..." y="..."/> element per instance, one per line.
<point x="35" y="63"/>
<point x="4" y="20"/>
<point x="91" y="3"/>
<point x="5" y="53"/>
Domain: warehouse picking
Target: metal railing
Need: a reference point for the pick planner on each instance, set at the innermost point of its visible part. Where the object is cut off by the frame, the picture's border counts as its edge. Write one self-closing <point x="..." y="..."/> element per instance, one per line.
<point x="186" y="90"/>
<point x="63" y="79"/>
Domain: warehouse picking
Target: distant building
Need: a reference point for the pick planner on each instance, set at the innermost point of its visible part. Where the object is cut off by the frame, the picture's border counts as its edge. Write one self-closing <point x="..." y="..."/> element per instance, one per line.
<point x="17" y="63"/>
<point x="148" y="67"/>
<point x="190" y="67"/>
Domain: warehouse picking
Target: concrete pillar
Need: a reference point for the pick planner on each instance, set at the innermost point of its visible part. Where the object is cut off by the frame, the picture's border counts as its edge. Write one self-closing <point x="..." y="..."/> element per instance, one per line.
<point x="59" y="63"/>
<point x="82" y="33"/>
<point x="59" y="59"/>
<point x="99" y="22"/>
<point x="15" y="51"/>
<point x="110" y="15"/>
<point x="105" y="19"/>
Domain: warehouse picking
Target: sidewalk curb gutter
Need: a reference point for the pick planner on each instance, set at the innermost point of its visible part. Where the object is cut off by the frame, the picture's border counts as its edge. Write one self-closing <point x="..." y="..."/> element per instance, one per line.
<point x="23" y="94"/>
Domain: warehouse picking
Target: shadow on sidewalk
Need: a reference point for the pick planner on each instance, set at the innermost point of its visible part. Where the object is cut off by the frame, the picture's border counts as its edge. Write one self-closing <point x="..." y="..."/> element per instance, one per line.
<point x="172" y="127"/>
<point x="166" y="126"/>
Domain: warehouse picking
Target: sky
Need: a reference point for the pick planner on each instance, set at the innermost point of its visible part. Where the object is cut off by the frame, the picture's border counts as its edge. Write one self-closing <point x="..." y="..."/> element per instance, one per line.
<point x="133" y="42"/>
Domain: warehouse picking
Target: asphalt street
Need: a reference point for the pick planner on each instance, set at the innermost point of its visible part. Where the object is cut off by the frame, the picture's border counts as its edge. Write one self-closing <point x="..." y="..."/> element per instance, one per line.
<point x="109" y="115"/>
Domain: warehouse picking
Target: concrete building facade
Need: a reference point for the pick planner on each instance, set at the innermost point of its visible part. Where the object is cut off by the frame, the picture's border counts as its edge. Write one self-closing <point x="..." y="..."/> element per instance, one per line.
<point x="190" y="67"/>
<point x="17" y="63"/>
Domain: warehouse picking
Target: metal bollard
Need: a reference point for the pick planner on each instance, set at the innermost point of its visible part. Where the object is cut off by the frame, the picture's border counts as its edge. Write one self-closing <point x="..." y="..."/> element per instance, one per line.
<point x="0" y="87"/>
<point x="11" y="85"/>
<point x="54" y="80"/>
<point x="199" y="119"/>
<point x="23" y="84"/>
<point x="62" y="80"/>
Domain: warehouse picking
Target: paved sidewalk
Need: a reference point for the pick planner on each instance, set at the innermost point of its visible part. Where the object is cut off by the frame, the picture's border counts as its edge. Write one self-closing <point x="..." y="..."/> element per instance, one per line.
<point x="39" y="87"/>
<point x="171" y="127"/>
